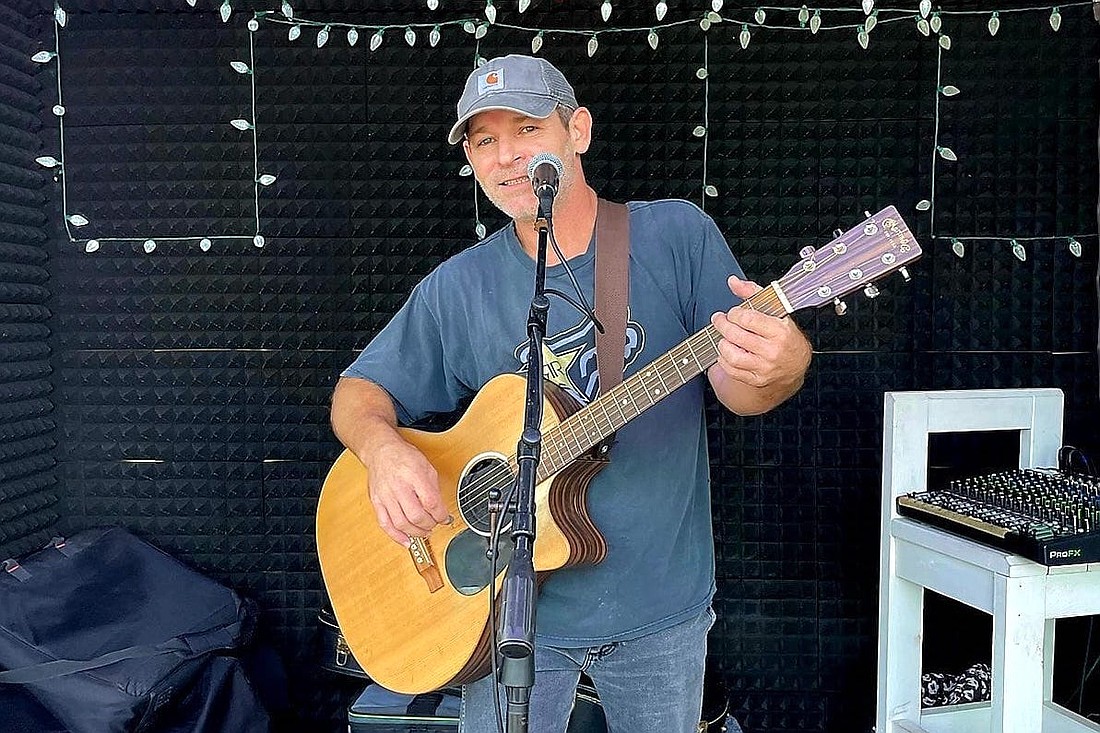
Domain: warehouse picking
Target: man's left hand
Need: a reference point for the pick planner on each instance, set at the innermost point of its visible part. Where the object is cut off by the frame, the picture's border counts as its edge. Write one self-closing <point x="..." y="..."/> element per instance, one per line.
<point x="770" y="355"/>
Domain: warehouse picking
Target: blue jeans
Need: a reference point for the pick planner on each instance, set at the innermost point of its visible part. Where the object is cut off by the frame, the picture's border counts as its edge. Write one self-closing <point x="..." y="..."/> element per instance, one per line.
<point x="652" y="684"/>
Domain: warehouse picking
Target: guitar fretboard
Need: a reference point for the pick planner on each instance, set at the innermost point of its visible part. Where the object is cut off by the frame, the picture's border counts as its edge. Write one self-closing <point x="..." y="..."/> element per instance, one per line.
<point x="661" y="377"/>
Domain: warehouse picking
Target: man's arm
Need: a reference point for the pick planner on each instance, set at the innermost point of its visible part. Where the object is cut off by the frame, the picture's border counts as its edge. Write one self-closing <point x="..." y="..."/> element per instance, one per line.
<point x="762" y="360"/>
<point x="404" y="487"/>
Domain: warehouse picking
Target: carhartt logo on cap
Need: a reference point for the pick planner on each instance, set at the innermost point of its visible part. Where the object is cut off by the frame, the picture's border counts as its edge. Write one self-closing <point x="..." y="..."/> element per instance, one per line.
<point x="490" y="81"/>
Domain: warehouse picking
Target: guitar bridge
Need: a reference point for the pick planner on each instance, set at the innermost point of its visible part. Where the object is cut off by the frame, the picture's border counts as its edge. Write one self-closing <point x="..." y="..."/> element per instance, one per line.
<point x="421" y="553"/>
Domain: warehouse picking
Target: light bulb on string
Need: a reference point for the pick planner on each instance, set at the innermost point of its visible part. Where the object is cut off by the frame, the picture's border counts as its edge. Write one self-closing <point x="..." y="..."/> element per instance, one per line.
<point x="225" y="11"/>
<point x="923" y="27"/>
<point x="322" y="36"/>
<point x="481" y="30"/>
<point x="605" y="10"/>
<point x="868" y="6"/>
<point x="479" y="230"/>
<point x="523" y="5"/>
<point x="1074" y="247"/>
<point x="925" y="8"/>
<point x="490" y="11"/>
<point x="43" y="57"/>
<point x="949" y="90"/>
<point x="294" y="32"/>
<point x="149" y="245"/>
<point x="240" y="67"/>
<point x="745" y="36"/>
<point x="871" y="22"/>
<point x="815" y="22"/>
<point x="205" y="244"/>
<point x="699" y="131"/>
<point x="253" y="25"/>
<point x="77" y="220"/>
<point x="994" y="23"/>
<point x="923" y="205"/>
<point x="410" y="37"/>
<point x="92" y="245"/>
<point x="266" y="179"/>
<point x="661" y="9"/>
<point x="59" y="110"/>
<point x="287" y="11"/>
<point x="241" y="125"/>
<point x="1019" y="251"/>
<point x="258" y="241"/>
<point x="48" y="161"/>
<point x="958" y="248"/>
<point x="652" y="39"/>
<point x="862" y="37"/>
<point x="946" y="153"/>
<point x="536" y="42"/>
<point x="434" y="36"/>
<point x="433" y="4"/>
<point x="935" y="23"/>
<point x="376" y="40"/>
<point x="716" y="5"/>
<point x="1055" y="19"/>
<point x="59" y="15"/>
<point x="593" y="44"/>
<point x="709" y="190"/>
<point x="760" y="16"/>
<point x="803" y="15"/>
<point x="945" y="42"/>
<point x="353" y="36"/>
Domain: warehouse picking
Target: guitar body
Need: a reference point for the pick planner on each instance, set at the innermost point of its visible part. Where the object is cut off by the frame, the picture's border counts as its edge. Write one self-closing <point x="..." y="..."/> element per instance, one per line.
<point x="406" y="636"/>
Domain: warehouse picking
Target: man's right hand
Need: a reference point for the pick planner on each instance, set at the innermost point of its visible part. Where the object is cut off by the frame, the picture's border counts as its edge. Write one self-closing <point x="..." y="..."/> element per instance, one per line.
<point x="404" y="491"/>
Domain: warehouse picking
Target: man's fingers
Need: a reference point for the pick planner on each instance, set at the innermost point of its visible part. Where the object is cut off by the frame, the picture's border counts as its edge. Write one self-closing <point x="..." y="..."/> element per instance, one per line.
<point x="742" y="288"/>
<point x="432" y="502"/>
<point x="384" y="521"/>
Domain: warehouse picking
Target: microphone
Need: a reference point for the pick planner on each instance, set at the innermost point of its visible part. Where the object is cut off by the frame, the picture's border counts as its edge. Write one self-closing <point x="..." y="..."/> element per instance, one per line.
<point x="545" y="170"/>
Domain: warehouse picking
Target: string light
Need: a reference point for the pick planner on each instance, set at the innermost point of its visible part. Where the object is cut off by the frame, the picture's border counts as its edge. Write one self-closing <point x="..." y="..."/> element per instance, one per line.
<point x="927" y="22"/>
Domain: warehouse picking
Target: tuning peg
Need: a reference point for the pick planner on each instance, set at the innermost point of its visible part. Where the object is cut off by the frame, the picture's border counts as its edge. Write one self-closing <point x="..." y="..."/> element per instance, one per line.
<point x="904" y="272"/>
<point x="840" y="306"/>
<point x="837" y="232"/>
<point x="867" y="213"/>
<point x="870" y="290"/>
<point x="806" y="252"/>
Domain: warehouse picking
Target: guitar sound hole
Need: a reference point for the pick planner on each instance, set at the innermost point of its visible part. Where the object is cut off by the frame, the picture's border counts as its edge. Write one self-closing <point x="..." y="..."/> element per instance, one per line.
<point x="480" y="477"/>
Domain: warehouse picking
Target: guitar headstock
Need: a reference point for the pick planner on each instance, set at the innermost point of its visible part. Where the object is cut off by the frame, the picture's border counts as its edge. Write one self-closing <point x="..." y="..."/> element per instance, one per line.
<point x="867" y="252"/>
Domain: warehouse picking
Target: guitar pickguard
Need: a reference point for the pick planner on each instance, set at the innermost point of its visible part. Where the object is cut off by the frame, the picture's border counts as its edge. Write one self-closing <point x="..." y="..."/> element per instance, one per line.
<point x="467" y="564"/>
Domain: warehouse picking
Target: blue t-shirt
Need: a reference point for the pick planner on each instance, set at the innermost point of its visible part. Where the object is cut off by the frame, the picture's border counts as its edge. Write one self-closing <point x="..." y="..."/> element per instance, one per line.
<point x="466" y="323"/>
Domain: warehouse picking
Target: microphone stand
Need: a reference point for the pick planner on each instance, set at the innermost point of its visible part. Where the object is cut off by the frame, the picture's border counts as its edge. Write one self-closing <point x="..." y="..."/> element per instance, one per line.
<point x="517" y="627"/>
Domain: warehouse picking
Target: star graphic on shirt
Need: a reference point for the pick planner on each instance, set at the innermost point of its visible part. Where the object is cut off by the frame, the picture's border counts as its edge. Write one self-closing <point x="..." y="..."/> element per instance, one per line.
<point x="555" y="367"/>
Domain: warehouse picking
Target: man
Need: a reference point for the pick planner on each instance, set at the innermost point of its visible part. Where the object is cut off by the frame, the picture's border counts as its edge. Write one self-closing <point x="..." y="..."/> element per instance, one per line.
<point x="637" y="622"/>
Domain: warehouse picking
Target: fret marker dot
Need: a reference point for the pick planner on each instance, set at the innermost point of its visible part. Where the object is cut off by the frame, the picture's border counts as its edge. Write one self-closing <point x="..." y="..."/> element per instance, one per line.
<point x="656" y="391"/>
<point x="685" y="361"/>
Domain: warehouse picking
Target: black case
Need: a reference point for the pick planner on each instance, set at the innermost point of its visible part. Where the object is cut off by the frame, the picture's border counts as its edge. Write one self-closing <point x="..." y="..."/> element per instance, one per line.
<point x="336" y="655"/>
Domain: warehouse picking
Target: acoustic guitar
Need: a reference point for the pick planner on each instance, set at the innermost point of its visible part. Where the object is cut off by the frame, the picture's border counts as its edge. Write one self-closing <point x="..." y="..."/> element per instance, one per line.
<point x="417" y="619"/>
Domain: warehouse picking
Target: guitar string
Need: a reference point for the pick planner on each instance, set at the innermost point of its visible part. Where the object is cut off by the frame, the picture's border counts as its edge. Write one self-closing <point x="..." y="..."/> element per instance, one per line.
<point x="493" y="478"/>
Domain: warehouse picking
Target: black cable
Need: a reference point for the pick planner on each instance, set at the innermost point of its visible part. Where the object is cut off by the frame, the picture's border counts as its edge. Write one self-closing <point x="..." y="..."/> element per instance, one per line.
<point x="586" y="309"/>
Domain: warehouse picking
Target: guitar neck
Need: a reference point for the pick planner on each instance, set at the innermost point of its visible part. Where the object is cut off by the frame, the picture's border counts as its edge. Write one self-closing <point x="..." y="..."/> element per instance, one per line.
<point x="661" y="377"/>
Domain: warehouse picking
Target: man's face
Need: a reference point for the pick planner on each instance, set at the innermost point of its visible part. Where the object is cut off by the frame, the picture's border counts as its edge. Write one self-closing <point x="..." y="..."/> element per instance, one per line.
<point x="499" y="144"/>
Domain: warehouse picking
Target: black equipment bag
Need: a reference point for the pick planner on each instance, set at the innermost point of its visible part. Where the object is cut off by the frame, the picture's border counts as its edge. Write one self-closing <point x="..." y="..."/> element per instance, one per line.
<point x="105" y="630"/>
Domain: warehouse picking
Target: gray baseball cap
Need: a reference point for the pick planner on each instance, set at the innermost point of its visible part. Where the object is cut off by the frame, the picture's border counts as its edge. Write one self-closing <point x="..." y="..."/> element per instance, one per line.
<point x="524" y="84"/>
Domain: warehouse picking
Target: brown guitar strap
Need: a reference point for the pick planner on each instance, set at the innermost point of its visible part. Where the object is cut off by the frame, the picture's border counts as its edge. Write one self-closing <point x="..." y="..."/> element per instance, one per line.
<point x="612" y="290"/>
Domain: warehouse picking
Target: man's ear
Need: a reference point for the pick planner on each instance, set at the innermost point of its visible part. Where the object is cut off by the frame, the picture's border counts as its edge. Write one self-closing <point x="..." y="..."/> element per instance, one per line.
<point x="466" y="148"/>
<point x="580" y="129"/>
